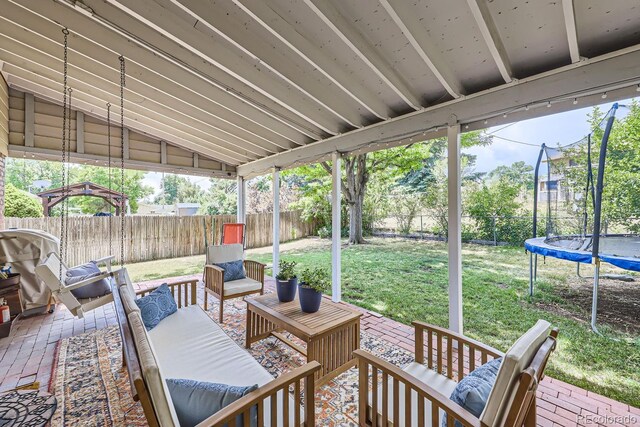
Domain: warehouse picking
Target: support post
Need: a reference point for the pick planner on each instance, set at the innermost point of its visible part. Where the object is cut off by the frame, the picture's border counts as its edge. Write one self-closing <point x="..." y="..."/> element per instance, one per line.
<point x="336" y="263"/>
<point x="454" y="232"/>
<point x="241" y="210"/>
<point x="276" y="221"/>
<point x="29" y="119"/>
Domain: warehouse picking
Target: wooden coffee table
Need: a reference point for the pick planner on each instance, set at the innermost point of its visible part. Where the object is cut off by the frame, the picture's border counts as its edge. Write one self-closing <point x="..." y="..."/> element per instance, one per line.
<point x="331" y="334"/>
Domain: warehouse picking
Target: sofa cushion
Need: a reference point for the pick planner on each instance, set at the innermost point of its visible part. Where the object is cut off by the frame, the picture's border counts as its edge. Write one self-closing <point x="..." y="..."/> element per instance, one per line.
<point x="190" y="345"/>
<point x="513" y="363"/>
<point x="195" y="401"/>
<point x="241" y="286"/>
<point x="428" y="376"/>
<point x="473" y="391"/>
<point x="153" y="377"/>
<point x="233" y="270"/>
<point x="83" y="272"/>
<point x="156" y="306"/>
<point x="224" y="253"/>
<point x="128" y="300"/>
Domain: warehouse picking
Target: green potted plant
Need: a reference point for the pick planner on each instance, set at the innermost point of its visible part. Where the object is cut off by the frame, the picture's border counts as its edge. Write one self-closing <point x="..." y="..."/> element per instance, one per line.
<point x="286" y="281"/>
<point x="313" y="282"/>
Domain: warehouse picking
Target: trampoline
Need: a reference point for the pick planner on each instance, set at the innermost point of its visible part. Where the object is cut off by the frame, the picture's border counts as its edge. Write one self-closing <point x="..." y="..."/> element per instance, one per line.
<point x="592" y="245"/>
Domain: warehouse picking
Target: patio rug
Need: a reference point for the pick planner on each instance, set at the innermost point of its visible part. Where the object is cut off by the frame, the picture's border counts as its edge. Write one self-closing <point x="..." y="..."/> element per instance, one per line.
<point x="93" y="390"/>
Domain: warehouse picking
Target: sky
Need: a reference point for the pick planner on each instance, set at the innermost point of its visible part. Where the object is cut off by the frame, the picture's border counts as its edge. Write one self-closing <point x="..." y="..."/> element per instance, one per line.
<point x="556" y="129"/>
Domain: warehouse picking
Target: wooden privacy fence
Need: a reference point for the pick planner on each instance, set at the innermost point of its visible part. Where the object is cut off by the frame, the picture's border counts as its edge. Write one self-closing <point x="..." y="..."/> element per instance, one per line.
<point x="158" y="237"/>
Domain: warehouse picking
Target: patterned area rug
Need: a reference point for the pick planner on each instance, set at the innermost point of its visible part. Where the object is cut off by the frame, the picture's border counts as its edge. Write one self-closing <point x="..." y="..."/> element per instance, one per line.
<point x="93" y="389"/>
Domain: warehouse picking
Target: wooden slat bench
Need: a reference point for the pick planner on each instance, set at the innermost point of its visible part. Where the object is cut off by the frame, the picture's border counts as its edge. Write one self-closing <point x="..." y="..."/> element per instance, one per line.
<point x="276" y="406"/>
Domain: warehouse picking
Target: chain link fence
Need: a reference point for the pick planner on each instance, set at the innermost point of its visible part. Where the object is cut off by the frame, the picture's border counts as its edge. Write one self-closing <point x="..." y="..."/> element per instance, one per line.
<point x="492" y="230"/>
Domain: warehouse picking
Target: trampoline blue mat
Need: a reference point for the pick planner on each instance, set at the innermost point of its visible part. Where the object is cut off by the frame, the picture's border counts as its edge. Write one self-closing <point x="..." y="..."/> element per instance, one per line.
<point x="538" y="246"/>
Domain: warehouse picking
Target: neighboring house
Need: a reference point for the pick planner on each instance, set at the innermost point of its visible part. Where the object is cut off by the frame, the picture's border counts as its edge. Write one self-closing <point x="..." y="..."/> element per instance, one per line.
<point x="551" y="187"/>
<point x="179" y="209"/>
<point x="187" y="209"/>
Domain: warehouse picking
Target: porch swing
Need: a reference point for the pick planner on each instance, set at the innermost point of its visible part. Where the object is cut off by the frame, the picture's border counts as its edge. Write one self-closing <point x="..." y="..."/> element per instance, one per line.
<point x="53" y="270"/>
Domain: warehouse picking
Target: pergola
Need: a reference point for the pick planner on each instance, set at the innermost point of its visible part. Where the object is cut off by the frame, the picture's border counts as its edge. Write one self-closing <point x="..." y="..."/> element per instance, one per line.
<point x="240" y="88"/>
<point x="52" y="197"/>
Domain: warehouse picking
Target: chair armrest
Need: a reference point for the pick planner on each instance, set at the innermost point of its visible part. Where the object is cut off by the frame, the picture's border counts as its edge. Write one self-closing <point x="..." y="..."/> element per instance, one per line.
<point x="214" y="278"/>
<point x="296" y="378"/>
<point x="437" y="399"/>
<point x="440" y="353"/>
<point x="184" y="291"/>
<point x="255" y="270"/>
<point x="88" y="281"/>
<point x="105" y="260"/>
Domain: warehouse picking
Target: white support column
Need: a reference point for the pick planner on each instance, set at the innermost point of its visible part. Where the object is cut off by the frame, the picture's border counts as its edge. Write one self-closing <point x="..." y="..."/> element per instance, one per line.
<point x="29" y="119"/>
<point x="336" y="197"/>
<point x="454" y="235"/>
<point x="276" y="221"/>
<point x="242" y="200"/>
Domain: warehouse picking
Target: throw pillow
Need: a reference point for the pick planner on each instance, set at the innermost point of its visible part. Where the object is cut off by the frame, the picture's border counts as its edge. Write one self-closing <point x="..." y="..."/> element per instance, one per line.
<point x="86" y="271"/>
<point x="195" y="401"/>
<point x="473" y="391"/>
<point x="233" y="270"/>
<point x="156" y="306"/>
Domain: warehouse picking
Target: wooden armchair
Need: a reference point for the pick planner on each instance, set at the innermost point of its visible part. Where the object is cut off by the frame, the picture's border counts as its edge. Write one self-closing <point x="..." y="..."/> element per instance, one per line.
<point x="214" y="283"/>
<point x="418" y="395"/>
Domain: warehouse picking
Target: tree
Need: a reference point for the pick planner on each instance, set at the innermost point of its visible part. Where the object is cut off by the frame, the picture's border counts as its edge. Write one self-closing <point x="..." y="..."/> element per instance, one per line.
<point x="221" y="198"/>
<point x="178" y="189"/>
<point x="20" y="204"/>
<point x="22" y="173"/>
<point x="133" y="187"/>
<point x="519" y="173"/>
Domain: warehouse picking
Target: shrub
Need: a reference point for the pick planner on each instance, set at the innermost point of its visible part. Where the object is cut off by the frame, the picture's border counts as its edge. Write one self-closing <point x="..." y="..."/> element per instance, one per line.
<point x="316" y="278"/>
<point x="20" y="204"/>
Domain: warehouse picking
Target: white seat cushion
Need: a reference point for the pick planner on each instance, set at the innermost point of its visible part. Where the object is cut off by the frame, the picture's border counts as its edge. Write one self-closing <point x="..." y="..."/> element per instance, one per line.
<point x="153" y="376"/>
<point x="189" y="345"/>
<point x="434" y="380"/>
<point x="513" y="363"/>
<point x="241" y="286"/>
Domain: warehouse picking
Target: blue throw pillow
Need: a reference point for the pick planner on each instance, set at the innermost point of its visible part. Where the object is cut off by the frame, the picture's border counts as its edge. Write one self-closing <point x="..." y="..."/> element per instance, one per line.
<point x="473" y="391"/>
<point x="156" y="306"/>
<point x="86" y="271"/>
<point x="195" y="401"/>
<point x="233" y="270"/>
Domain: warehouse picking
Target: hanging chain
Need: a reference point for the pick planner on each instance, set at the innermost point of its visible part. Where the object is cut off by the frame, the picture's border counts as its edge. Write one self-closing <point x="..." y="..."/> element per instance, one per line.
<point x="63" y="224"/>
<point x="122" y="199"/>
<point x="110" y="195"/>
<point x="68" y="166"/>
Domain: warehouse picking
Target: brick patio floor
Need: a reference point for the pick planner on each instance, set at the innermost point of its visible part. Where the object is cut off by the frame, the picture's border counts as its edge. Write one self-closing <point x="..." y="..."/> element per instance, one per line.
<point x="27" y="356"/>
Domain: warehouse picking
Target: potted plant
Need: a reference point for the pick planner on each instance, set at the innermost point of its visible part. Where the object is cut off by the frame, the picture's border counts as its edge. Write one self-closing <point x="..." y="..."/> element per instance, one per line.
<point x="313" y="282"/>
<point x="286" y="281"/>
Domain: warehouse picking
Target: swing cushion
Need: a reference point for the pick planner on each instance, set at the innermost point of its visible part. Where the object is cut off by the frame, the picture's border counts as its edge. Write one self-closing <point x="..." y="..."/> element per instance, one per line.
<point x="83" y="272"/>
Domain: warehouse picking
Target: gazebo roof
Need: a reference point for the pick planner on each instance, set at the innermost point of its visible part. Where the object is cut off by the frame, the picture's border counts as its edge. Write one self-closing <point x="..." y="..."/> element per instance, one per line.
<point x="84" y="189"/>
<point x="257" y="85"/>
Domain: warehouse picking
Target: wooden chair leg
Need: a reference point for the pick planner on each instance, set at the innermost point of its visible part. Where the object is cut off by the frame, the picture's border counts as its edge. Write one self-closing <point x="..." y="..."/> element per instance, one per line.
<point x="530" y="420"/>
<point x="221" y="311"/>
<point x="206" y="299"/>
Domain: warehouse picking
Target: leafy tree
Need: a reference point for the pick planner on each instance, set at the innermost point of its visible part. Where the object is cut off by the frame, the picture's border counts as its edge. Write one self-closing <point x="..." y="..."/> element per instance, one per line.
<point x="133" y="187"/>
<point x="21" y="173"/>
<point x="519" y="173"/>
<point x="178" y="189"/>
<point x="20" y="204"/>
<point x="221" y="198"/>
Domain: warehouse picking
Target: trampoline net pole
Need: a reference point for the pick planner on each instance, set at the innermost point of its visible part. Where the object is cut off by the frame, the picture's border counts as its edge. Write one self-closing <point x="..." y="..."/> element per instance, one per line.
<point x="594" y="300"/>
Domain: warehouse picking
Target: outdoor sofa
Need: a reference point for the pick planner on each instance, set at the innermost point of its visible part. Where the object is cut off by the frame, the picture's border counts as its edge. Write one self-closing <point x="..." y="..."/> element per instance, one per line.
<point x="188" y="344"/>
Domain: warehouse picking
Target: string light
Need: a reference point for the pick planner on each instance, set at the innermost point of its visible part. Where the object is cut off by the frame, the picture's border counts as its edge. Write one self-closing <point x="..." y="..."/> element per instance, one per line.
<point x="486" y="121"/>
<point x="548" y="104"/>
<point x="604" y="95"/>
<point x="575" y="101"/>
<point x="466" y="126"/>
<point x="526" y="107"/>
<point x="504" y="115"/>
<point x="638" y="88"/>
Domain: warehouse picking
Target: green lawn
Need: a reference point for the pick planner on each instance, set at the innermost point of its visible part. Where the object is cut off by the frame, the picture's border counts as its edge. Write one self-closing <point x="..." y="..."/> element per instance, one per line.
<point x="407" y="280"/>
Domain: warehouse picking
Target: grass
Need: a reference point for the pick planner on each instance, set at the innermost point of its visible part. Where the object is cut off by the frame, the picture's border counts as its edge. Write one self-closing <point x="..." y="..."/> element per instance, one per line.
<point x="407" y="280"/>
